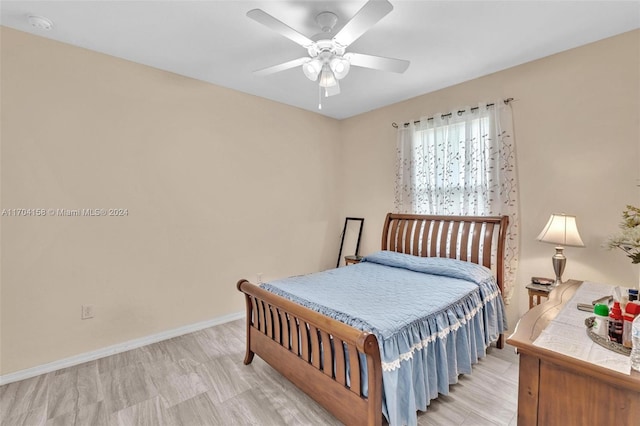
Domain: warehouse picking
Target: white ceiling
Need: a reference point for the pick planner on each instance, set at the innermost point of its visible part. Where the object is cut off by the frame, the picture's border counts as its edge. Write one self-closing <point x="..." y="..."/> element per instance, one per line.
<point x="447" y="42"/>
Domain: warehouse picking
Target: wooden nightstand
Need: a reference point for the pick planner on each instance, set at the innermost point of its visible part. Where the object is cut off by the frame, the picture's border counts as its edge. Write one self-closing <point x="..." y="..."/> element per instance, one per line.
<point x="352" y="259"/>
<point x="537" y="291"/>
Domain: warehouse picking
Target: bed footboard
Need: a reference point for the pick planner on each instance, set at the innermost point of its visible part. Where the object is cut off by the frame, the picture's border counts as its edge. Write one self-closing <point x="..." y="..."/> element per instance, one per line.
<point x="320" y="355"/>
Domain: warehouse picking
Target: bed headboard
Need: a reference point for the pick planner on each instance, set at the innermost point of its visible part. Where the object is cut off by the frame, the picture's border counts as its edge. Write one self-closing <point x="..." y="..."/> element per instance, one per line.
<point x="477" y="239"/>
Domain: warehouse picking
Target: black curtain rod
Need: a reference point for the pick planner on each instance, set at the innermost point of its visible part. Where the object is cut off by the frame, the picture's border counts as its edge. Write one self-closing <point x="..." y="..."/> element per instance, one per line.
<point x="506" y="101"/>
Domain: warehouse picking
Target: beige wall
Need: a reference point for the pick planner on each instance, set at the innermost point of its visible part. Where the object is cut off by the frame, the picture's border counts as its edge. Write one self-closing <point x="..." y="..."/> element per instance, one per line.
<point x="219" y="185"/>
<point x="576" y="118"/>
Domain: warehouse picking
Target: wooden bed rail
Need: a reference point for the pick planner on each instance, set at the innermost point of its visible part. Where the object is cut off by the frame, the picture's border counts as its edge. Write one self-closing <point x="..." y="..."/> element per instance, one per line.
<point x="305" y="338"/>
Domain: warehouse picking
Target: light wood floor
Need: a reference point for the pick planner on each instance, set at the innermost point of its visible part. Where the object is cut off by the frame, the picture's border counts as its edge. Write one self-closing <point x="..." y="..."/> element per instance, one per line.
<point x="199" y="379"/>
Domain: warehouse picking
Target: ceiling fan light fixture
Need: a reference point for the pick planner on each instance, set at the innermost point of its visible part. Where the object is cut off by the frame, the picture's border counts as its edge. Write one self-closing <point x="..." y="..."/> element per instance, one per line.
<point x="327" y="79"/>
<point x="340" y="67"/>
<point x="312" y="69"/>
<point x="328" y="62"/>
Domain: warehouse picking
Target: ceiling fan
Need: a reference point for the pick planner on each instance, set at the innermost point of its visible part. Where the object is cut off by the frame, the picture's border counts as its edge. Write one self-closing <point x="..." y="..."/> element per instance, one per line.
<point x="328" y="60"/>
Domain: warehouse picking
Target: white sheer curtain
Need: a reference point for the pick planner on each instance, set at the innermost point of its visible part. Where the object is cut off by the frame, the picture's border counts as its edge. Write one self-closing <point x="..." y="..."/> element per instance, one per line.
<point x="463" y="163"/>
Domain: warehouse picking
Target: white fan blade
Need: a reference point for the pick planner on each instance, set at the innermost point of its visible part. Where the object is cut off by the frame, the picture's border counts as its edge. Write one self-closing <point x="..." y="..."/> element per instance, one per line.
<point x="377" y="62"/>
<point x="367" y="17"/>
<point x="282" y="67"/>
<point x="333" y="90"/>
<point x="269" y="21"/>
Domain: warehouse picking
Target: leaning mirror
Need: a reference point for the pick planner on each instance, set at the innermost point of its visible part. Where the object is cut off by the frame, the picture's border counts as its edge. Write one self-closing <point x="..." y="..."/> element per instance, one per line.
<point x="350" y="240"/>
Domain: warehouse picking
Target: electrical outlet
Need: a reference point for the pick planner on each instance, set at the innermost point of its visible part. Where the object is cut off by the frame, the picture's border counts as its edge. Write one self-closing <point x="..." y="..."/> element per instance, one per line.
<point x="87" y="312"/>
<point x="259" y="277"/>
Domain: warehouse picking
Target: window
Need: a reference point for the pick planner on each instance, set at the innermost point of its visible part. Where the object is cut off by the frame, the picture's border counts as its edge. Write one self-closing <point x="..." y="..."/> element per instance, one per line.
<point x="462" y="163"/>
<point x="448" y="166"/>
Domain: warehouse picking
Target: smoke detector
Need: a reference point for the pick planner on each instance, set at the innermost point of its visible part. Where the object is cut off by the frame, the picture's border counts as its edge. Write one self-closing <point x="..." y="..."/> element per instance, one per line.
<point x="40" y="22"/>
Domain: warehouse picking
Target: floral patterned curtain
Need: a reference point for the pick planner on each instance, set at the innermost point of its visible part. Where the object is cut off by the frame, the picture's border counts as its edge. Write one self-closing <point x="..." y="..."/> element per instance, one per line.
<point x="463" y="163"/>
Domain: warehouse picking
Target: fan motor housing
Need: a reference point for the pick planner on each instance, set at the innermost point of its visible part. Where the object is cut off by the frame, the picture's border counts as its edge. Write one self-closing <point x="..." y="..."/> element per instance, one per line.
<point x="321" y="46"/>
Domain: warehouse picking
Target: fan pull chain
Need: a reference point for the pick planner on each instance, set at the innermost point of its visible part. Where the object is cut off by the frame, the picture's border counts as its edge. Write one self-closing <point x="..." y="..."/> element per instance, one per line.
<point x="319" y="97"/>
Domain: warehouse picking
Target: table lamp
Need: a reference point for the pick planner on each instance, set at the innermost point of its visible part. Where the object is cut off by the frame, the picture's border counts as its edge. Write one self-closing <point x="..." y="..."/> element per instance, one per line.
<point x="560" y="230"/>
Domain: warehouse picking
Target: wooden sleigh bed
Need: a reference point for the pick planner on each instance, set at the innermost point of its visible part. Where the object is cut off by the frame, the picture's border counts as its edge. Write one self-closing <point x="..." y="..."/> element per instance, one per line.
<point x="290" y="337"/>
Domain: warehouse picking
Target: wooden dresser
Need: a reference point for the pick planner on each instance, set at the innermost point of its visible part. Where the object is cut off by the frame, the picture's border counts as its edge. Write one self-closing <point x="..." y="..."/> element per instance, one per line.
<point x="556" y="389"/>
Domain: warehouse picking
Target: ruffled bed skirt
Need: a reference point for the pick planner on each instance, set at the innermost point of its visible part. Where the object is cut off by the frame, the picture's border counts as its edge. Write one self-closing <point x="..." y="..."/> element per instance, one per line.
<point x="435" y="351"/>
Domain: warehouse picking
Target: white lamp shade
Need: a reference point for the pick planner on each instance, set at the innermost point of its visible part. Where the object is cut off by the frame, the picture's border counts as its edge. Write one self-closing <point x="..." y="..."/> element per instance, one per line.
<point x="561" y="229"/>
<point x="340" y="67"/>
<point x="312" y="69"/>
<point x="327" y="79"/>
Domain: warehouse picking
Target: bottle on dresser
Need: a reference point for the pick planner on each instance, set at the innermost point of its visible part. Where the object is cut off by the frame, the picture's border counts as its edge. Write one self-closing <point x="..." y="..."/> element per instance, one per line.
<point x="615" y="323"/>
<point x="600" y="325"/>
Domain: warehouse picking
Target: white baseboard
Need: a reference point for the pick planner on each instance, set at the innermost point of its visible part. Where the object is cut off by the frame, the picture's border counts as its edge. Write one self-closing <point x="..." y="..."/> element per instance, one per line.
<point x="114" y="349"/>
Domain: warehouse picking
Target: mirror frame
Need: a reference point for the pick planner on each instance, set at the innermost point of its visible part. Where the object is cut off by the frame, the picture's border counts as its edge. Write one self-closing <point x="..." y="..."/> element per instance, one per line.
<point x="344" y="231"/>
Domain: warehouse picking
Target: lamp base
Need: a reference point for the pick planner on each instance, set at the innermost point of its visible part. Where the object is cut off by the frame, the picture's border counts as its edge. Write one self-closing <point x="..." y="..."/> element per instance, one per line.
<point x="559" y="262"/>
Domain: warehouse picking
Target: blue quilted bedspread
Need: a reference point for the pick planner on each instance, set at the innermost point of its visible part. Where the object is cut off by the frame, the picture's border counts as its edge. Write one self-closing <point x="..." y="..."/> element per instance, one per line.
<point x="433" y="318"/>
